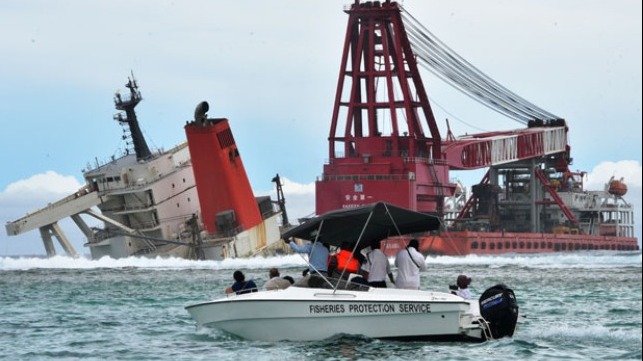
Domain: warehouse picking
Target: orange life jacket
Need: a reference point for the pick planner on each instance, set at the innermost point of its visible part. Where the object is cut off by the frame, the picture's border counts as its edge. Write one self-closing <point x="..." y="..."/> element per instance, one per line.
<point x="345" y="259"/>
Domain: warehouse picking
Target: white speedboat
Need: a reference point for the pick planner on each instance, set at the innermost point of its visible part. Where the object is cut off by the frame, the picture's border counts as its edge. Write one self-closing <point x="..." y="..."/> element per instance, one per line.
<point x="334" y="306"/>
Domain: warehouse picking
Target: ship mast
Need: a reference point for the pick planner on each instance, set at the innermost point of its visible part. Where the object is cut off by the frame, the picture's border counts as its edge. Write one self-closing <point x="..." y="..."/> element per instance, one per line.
<point x="127" y="105"/>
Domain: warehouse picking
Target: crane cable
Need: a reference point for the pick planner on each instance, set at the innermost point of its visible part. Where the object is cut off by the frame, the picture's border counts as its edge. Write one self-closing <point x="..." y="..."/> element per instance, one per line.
<point x="447" y="65"/>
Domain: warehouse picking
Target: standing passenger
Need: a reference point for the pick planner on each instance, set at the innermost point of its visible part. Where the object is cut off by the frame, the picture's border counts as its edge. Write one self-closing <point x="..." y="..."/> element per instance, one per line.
<point x="317" y="255"/>
<point x="317" y="262"/>
<point x="377" y="267"/>
<point x="343" y="262"/>
<point x="409" y="262"/>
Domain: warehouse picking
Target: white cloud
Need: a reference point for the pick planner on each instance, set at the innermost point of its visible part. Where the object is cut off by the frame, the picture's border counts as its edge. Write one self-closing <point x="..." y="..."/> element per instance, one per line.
<point x="28" y="195"/>
<point x="629" y="170"/>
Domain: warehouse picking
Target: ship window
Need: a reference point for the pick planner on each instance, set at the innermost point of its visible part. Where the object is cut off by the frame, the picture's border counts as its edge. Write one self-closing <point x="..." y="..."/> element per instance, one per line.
<point x="183" y="180"/>
<point x="483" y="245"/>
<point x="515" y="245"/>
<point x="117" y="178"/>
<point x="549" y="245"/>
<point x="499" y="245"/>
<point x="492" y="245"/>
<point x="172" y="185"/>
<point x="474" y="245"/>
<point x="536" y="245"/>
<point x="177" y="205"/>
<point x="507" y="244"/>
<point x="188" y="199"/>
<point x="522" y="245"/>
<point x="543" y="244"/>
<point x="528" y="245"/>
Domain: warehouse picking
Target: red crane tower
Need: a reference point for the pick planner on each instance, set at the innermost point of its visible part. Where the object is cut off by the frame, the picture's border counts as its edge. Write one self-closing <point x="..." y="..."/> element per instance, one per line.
<point x="384" y="143"/>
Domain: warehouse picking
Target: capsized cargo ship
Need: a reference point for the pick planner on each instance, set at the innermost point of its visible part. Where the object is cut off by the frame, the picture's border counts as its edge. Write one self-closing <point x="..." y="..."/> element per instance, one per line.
<point x="193" y="201"/>
<point x="385" y="145"/>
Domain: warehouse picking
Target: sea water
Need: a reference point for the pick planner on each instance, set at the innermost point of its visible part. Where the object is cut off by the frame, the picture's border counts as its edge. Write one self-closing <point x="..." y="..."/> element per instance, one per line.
<point x="577" y="306"/>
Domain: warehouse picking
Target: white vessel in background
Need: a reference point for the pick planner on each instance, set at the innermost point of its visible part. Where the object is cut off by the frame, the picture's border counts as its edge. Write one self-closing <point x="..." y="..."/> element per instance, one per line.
<point x="149" y="202"/>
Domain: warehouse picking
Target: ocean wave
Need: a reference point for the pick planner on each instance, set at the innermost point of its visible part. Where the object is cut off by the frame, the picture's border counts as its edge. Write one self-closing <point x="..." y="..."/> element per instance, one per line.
<point x="588" y="259"/>
<point x="596" y="259"/>
<point x="586" y="334"/>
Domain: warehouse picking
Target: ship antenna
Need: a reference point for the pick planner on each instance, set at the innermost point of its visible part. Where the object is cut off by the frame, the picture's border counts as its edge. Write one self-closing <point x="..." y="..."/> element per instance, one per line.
<point x="126" y="105"/>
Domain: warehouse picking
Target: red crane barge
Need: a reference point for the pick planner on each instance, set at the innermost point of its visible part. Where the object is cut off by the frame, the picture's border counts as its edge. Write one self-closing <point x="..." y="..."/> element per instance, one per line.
<point x="385" y="145"/>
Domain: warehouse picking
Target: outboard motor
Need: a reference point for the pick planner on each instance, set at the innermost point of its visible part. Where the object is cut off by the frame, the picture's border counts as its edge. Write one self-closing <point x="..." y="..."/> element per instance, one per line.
<point x="499" y="308"/>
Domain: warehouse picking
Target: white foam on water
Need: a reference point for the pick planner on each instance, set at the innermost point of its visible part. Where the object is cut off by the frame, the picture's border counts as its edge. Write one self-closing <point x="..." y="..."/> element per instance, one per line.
<point x="583" y="334"/>
<point x="590" y="259"/>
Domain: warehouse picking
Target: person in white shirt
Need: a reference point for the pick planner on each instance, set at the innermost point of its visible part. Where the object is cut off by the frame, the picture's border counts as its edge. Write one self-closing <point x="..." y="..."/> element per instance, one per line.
<point x="463" y="287"/>
<point x="377" y="267"/>
<point x="409" y="262"/>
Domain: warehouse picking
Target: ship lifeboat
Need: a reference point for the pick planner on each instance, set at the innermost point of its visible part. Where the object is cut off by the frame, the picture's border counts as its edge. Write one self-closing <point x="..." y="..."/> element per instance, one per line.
<point x="617" y="188"/>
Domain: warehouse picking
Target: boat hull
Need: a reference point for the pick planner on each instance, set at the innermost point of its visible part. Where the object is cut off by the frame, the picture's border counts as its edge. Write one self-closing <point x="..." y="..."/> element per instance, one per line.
<point x="494" y="243"/>
<point x="303" y="314"/>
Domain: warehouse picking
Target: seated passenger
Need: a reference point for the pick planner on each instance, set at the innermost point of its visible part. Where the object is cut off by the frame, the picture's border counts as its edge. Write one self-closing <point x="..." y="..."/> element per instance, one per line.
<point x="275" y="282"/>
<point x="463" y="287"/>
<point x="241" y="286"/>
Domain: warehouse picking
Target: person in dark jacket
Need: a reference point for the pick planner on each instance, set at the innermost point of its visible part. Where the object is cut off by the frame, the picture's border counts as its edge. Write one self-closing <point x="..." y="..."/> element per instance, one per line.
<point x="240" y="285"/>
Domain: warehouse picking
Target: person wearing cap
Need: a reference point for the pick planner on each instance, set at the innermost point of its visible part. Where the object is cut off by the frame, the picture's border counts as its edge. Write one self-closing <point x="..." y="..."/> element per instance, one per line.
<point x="240" y="285"/>
<point x="463" y="282"/>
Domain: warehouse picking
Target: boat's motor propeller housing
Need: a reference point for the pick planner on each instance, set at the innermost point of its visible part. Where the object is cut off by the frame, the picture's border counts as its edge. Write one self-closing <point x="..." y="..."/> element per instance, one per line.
<point x="499" y="308"/>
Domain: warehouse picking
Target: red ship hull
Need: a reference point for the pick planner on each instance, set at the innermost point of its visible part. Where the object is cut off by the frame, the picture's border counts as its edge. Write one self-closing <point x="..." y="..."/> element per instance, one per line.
<point x="494" y="243"/>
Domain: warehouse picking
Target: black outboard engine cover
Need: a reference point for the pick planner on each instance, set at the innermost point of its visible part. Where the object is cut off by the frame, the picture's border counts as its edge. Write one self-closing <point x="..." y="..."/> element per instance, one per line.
<point x="499" y="308"/>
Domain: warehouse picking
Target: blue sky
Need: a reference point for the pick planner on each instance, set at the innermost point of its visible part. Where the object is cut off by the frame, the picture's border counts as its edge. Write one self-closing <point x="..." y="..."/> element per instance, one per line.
<point x="272" y="68"/>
